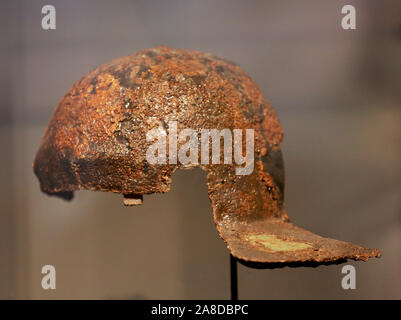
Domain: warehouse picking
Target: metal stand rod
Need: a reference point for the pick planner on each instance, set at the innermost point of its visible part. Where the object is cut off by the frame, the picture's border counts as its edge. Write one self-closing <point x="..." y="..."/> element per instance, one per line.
<point x="234" y="278"/>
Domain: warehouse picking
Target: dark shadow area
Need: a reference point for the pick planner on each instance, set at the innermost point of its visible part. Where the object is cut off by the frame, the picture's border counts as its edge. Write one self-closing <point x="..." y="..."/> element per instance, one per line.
<point x="307" y="264"/>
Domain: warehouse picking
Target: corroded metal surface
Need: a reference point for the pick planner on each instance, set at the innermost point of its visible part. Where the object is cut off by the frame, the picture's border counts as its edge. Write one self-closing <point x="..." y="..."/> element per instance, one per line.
<point x="96" y="140"/>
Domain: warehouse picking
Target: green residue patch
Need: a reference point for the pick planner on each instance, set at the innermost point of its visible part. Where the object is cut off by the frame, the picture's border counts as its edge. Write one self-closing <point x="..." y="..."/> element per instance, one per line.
<point x="273" y="243"/>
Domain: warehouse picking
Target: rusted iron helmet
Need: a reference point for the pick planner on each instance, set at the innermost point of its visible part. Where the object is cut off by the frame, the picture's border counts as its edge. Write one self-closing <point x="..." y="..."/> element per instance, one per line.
<point x="96" y="140"/>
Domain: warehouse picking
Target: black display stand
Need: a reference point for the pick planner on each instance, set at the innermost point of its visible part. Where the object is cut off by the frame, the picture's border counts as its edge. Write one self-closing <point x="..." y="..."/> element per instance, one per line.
<point x="234" y="278"/>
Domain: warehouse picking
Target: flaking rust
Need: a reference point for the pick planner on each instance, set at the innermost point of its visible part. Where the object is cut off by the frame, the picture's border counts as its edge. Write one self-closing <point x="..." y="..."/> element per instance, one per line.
<point x="96" y="140"/>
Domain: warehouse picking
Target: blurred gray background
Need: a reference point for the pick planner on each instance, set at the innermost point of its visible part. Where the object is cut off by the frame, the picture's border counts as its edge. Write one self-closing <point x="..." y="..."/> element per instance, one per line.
<point x="337" y="93"/>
